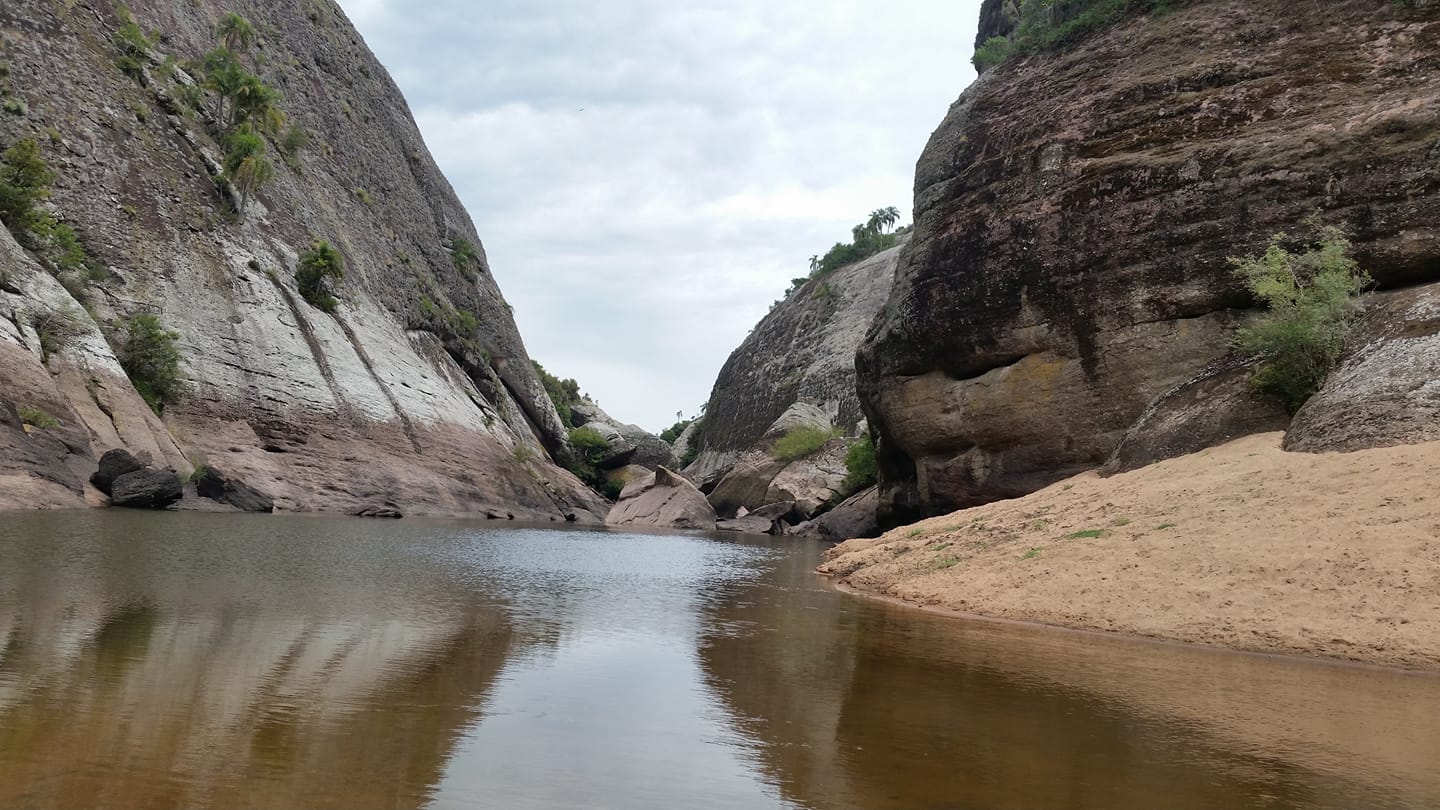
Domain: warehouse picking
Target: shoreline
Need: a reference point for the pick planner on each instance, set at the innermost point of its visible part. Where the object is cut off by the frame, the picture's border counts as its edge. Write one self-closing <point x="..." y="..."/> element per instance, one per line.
<point x="1244" y="547"/>
<point x="1115" y="635"/>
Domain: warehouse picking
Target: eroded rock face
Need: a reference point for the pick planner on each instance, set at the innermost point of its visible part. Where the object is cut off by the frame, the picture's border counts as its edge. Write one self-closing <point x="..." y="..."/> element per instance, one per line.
<point x="797" y="366"/>
<point x="417" y="389"/>
<point x="1386" y="390"/>
<point x="1075" y="212"/>
<point x="665" y="500"/>
<point x="1214" y="407"/>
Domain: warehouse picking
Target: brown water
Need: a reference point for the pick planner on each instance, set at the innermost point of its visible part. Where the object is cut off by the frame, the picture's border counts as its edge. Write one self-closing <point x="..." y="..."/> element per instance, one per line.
<point x="203" y="661"/>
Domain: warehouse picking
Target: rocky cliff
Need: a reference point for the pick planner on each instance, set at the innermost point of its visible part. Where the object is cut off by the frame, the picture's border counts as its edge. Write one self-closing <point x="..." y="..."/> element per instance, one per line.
<point x="802" y="353"/>
<point x="1076" y="208"/>
<point x="416" y="391"/>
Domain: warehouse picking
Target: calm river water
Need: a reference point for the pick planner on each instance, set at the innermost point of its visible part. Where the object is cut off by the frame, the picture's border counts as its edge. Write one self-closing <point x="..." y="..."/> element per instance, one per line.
<point x="208" y="661"/>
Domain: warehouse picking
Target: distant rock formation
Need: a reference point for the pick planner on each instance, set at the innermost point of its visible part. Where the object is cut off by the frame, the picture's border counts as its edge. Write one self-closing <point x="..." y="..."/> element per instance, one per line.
<point x="1075" y="212"/>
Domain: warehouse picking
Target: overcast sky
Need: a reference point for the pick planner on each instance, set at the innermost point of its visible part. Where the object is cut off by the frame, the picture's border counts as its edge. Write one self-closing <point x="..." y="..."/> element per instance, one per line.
<point x="647" y="176"/>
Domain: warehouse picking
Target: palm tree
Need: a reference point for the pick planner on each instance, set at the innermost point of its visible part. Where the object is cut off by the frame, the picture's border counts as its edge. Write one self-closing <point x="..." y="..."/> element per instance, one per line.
<point x="235" y="33"/>
<point x="814" y="264"/>
<point x="890" y="216"/>
<point x="249" y="176"/>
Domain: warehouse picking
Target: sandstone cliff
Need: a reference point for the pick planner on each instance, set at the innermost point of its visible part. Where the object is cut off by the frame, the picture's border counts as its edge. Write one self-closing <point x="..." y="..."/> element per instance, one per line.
<point x="1076" y="208"/>
<point x="417" y="391"/>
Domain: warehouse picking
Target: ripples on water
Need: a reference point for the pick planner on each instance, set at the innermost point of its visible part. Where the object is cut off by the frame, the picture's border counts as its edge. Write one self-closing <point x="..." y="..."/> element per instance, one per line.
<point x="153" y="661"/>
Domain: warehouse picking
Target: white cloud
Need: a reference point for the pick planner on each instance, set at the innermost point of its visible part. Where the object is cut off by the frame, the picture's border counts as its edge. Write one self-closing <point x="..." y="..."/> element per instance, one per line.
<point x="720" y="145"/>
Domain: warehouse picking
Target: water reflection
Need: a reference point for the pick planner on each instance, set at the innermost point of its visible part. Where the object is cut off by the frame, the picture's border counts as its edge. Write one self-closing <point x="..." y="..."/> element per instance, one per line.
<point x="257" y="673"/>
<point x="204" y="661"/>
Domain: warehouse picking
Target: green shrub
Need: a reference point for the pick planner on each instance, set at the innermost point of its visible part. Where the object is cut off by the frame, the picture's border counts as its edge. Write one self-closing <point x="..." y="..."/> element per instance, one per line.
<point x="1040" y="30"/>
<point x="36" y="418"/>
<point x="152" y="361"/>
<point x="696" y="439"/>
<point x="673" y="432"/>
<point x="295" y="141"/>
<point x="590" y="449"/>
<point x="55" y="330"/>
<point x="563" y="393"/>
<point x="24" y="181"/>
<point x="235" y="33"/>
<point x="464" y="255"/>
<point x="868" y="238"/>
<point x="132" y="43"/>
<point x="318" y="265"/>
<point x="861" y="469"/>
<point x="801" y="441"/>
<point x="1310" y="300"/>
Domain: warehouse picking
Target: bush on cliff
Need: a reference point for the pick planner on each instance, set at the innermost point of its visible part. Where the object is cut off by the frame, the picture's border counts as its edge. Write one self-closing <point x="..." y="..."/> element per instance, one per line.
<point x="1310" y="301"/>
<point x="861" y="469"/>
<point x="1048" y="25"/>
<point x="151" y="361"/>
<point x="868" y="237"/>
<point x="801" y="441"/>
<point x="24" y="181"/>
<point x="563" y="393"/>
<point x="590" y="449"/>
<point x="318" y="265"/>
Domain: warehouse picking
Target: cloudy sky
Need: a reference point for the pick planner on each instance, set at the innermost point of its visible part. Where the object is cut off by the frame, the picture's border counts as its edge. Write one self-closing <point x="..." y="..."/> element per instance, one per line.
<point x="647" y="176"/>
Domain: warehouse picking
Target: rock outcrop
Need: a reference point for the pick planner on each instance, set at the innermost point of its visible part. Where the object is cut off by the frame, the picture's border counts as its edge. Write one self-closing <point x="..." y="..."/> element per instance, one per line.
<point x="147" y="489"/>
<point x="416" y="390"/>
<point x="629" y="444"/>
<point x="854" y="518"/>
<point x="797" y="365"/>
<point x="1076" y="208"/>
<point x="665" y="500"/>
<point x="214" y="484"/>
<point x="1386" y="390"/>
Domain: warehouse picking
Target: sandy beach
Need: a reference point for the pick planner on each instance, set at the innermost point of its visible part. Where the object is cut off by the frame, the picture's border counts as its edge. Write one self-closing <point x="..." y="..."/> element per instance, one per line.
<point x="1242" y="546"/>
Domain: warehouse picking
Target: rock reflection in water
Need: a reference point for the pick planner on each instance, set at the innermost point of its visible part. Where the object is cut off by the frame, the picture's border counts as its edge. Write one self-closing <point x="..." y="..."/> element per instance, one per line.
<point x="269" y="675"/>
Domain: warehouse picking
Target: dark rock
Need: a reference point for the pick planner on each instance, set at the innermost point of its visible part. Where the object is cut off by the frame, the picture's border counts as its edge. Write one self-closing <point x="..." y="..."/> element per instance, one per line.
<point x="1218" y="405"/>
<point x="114" y="464"/>
<point x="1386" y="389"/>
<point x="1076" y="210"/>
<point x="146" y="489"/>
<point x="386" y="511"/>
<point x="219" y="487"/>
<point x="749" y="524"/>
<point x="851" y="519"/>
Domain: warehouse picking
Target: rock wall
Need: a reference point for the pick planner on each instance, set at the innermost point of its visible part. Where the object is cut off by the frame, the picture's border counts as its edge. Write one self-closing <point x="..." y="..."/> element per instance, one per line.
<point x="802" y="352"/>
<point x="394" y="398"/>
<point x="1075" y="211"/>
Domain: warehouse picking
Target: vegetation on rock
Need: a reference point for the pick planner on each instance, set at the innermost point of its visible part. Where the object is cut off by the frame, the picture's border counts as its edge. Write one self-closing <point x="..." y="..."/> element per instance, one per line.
<point x="868" y="238"/>
<point x="317" y="266"/>
<point x="563" y="393"/>
<point x="590" y="449"/>
<point x="801" y="441"/>
<point x="152" y="361"/>
<point x="246" y="165"/>
<point x="25" y="180"/>
<point x="1310" y="300"/>
<point x="36" y="418"/>
<point x="860" y="468"/>
<point x="1050" y="24"/>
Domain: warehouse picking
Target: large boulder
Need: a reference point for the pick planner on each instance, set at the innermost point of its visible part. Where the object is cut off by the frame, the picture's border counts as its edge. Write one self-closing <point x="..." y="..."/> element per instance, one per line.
<point x="1386" y="389"/>
<point x="114" y="464"/>
<point x="1076" y="210"/>
<point x="813" y="482"/>
<point x="629" y="444"/>
<point x="663" y="500"/>
<point x="853" y="518"/>
<point x="746" y="486"/>
<point x="227" y="489"/>
<point x="146" y="489"/>
<point x="1216" y="406"/>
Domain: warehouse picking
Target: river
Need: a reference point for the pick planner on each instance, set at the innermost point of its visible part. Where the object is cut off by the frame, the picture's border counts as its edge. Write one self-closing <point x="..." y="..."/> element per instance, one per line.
<point x="217" y="661"/>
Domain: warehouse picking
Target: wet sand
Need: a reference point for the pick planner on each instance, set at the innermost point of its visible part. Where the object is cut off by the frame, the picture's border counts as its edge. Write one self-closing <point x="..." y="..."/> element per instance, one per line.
<point x="1242" y="546"/>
